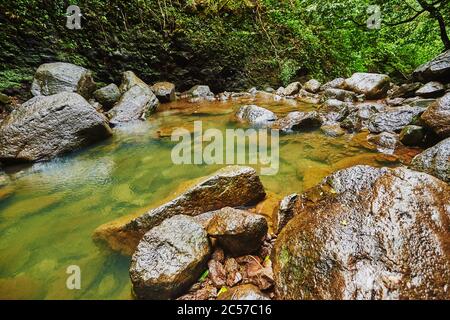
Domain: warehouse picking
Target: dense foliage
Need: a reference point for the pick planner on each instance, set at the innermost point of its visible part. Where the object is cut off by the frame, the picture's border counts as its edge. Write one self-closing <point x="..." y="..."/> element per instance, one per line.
<point x="228" y="44"/>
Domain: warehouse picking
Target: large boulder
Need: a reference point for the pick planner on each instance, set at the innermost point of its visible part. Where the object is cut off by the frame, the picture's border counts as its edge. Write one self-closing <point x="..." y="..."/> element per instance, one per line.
<point x="238" y="232"/>
<point x="164" y="91"/>
<point x="435" y="161"/>
<point x="57" y="77"/>
<point x="169" y="259"/>
<point x="232" y="186"/>
<point x="299" y="121"/>
<point x="137" y="103"/>
<point x="108" y="95"/>
<point x="393" y="119"/>
<point x="437" y="116"/>
<point x="48" y="126"/>
<point x="432" y="89"/>
<point x="359" y="115"/>
<point x="372" y="85"/>
<point x="437" y="69"/>
<point x="255" y="115"/>
<point x="368" y="234"/>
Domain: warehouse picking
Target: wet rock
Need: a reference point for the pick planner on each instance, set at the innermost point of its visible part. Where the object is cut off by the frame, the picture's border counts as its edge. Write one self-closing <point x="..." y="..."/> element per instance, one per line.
<point x="332" y="130"/>
<point x="406" y="90"/>
<point x="359" y="115"/>
<point x="435" y="161"/>
<point x="412" y="135"/>
<point x="292" y="89"/>
<point x="395" y="102"/>
<point x="285" y="212"/>
<point x="372" y="85"/>
<point x="57" y="77"/>
<point x="372" y="234"/>
<point x="421" y="103"/>
<point x="437" y="116"/>
<point x="164" y="91"/>
<point x="169" y="259"/>
<point x="108" y="95"/>
<point x="431" y="90"/>
<point x="200" y="91"/>
<point x="393" y="119"/>
<point x="137" y="103"/>
<point x="333" y="84"/>
<point x="255" y="115"/>
<point x="312" y="86"/>
<point x="437" y="69"/>
<point x="243" y="292"/>
<point x="299" y="121"/>
<point x="238" y="232"/>
<point x="386" y="142"/>
<point x="340" y="94"/>
<point x="48" y="126"/>
<point x="129" y="80"/>
<point x="231" y="186"/>
<point x="334" y="110"/>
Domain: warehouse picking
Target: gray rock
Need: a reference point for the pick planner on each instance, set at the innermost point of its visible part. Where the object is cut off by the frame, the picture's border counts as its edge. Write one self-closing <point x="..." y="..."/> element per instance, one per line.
<point x="312" y="86"/>
<point x="339" y="94"/>
<point x="292" y="89"/>
<point x="129" y="80"/>
<point x="169" y="259"/>
<point x="243" y="292"/>
<point x="255" y="115"/>
<point x="48" y="126"/>
<point x="371" y="234"/>
<point x="406" y="90"/>
<point x="421" y="103"/>
<point x="238" y="232"/>
<point x="333" y="84"/>
<point x="386" y="142"/>
<point x="135" y="104"/>
<point x="395" y="102"/>
<point x="334" y="110"/>
<point x="280" y="91"/>
<point x="437" y="69"/>
<point x="164" y="91"/>
<point x="372" y="85"/>
<point x="437" y="116"/>
<point x="393" y="119"/>
<point x="298" y="121"/>
<point x="412" y="135"/>
<point x="435" y="161"/>
<point x="108" y="95"/>
<point x="359" y="115"/>
<point x="200" y="91"/>
<point x="431" y="90"/>
<point x="57" y="77"/>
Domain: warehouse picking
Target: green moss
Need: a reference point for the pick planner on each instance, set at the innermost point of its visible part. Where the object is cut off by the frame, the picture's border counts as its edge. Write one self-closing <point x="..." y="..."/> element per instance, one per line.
<point x="14" y="78"/>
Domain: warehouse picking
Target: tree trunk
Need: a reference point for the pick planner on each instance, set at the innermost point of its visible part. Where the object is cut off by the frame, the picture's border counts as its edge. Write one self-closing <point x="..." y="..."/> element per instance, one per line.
<point x="434" y="12"/>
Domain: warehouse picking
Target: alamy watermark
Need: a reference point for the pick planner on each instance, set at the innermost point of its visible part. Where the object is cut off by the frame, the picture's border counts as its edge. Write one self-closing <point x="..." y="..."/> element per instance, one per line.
<point x="73" y="281"/>
<point x="73" y="17"/>
<point x="374" y="20"/>
<point x="258" y="147"/>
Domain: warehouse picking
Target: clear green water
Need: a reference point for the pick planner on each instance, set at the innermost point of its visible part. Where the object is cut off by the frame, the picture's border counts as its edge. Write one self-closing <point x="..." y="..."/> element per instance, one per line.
<point x="49" y="211"/>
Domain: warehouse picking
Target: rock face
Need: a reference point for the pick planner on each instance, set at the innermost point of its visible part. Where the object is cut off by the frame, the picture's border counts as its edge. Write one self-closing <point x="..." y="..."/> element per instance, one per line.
<point x="374" y="234"/>
<point x="437" y="116"/>
<point x="57" y="77"/>
<point x="292" y="89"/>
<point x="164" y="91"/>
<point x="432" y="89"/>
<point x="255" y="115"/>
<point x="435" y="161"/>
<point x="393" y="119"/>
<point x="312" y="86"/>
<point x="299" y="121"/>
<point x="437" y="69"/>
<point x="238" y="232"/>
<point x="137" y="103"/>
<point x="107" y="96"/>
<point x="169" y="259"/>
<point x="48" y="126"/>
<point x="232" y="186"/>
<point x="243" y="292"/>
<point x="372" y="85"/>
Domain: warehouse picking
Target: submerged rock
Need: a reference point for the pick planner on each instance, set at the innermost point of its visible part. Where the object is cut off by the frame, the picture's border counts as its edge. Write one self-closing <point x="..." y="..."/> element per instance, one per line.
<point x="255" y="115"/>
<point x="437" y="69"/>
<point x="437" y="116"/>
<point x="243" y="292"/>
<point x="435" y="161"/>
<point x="393" y="119"/>
<point x="372" y="85"/>
<point x="238" y="232"/>
<point x="431" y="90"/>
<point x="108" y="95"/>
<point x="332" y="130"/>
<point x="48" y="126"/>
<point x="231" y="186"/>
<point x="164" y="91"/>
<point x="169" y="259"/>
<point x="57" y="77"/>
<point x="371" y="234"/>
